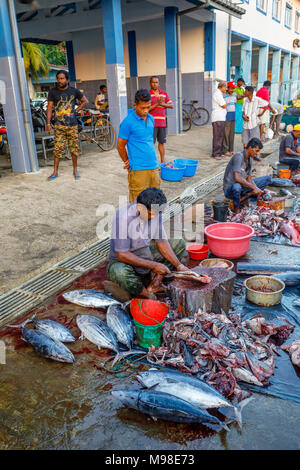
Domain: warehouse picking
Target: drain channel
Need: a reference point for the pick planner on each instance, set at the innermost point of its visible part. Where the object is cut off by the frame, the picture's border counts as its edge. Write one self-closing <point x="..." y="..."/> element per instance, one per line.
<point x="35" y="291"/>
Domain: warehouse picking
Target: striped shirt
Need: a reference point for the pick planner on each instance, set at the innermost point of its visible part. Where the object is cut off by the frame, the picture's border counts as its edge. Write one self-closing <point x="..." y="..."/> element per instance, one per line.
<point x="230" y="108"/>
<point x="159" y="113"/>
<point x="251" y="109"/>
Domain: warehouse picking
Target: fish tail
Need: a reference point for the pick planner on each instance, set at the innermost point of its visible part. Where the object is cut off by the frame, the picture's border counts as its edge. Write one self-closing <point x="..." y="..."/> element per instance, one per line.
<point x="21" y="325"/>
<point x="121" y="355"/>
<point x="238" y="410"/>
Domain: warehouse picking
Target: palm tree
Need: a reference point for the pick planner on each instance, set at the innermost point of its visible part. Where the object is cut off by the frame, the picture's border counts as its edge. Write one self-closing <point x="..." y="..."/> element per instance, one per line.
<point x="35" y="61"/>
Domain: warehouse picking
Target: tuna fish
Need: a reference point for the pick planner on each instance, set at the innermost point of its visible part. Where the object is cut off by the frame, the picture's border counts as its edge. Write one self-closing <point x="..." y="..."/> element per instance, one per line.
<point x="99" y="333"/>
<point x="167" y="407"/>
<point x="50" y="328"/>
<point x="47" y="347"/>
<point x="245" y="375"/>
<point x="119" y="321"/>
<point x="90" y="298"/>
<point x="189" y="388"/>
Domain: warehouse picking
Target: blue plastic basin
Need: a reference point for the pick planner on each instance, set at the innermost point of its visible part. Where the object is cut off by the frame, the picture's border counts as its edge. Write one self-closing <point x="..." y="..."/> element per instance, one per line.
<point x="189" y="165"/>
<point x="171" y="174"/>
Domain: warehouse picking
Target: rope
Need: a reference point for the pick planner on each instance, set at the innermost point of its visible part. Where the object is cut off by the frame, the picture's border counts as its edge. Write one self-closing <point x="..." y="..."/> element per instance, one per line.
<point x="125" y="364"/>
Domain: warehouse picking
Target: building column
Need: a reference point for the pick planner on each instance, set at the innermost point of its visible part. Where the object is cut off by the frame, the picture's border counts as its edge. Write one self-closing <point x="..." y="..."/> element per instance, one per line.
<point x="295" y="76"/>
<point x="22" y="150"/>
<point x="209" y="63"/>
<point x="275" y="82"/>
<point x="114" y="58"/>
<point x="286" y="75"/>
<point x="70" y="60"/>
<point x="133" y="81"/>
<point x="246" y="60"/>
<point x="172" y="67"/>
<point x="263" y="61"/>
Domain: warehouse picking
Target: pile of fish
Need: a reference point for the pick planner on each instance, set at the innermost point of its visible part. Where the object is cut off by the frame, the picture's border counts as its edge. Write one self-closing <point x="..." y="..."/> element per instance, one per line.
<point x="179" y="397"/>
<point x="119" y="327"/>
<point x="48" y="336"/>
<point x="222" y="349"/>
<point x="47" y="339"/>
<point x="267" y="222"/>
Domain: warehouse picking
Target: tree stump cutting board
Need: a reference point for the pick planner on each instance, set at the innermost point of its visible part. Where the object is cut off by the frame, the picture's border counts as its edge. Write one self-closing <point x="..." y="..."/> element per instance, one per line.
<point x="188" y="297"/>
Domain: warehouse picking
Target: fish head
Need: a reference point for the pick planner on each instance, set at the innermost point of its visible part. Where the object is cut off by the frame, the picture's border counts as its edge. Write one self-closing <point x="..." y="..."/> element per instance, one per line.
<point x="147" y="378"/>
<point x="127" y="397"/>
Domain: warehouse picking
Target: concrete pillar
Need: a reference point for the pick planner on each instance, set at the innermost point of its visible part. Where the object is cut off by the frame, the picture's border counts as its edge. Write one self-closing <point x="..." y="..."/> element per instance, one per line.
<point x="275" y="82"/>
<point x="10" y="87"/>
<point x="172" y="67"/>
<point x="71" y="62"/>
<point x="246" y="60"/>
<point x="295" y="76"/>
<point x="286" y="76"/>
<point x="133" y="80"/>
<point x="263" y="60"/>
<point x="114" y="58"/>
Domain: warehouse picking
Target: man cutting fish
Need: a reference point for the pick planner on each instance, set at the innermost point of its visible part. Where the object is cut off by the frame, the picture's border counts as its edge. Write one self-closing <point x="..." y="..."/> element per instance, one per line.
<point x="238" y="184"/>
<point x="140" y="252"/>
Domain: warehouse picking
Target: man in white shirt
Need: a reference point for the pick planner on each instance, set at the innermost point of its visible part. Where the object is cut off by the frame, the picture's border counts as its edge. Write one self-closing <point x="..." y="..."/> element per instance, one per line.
<point x="252" y="111"/>
<point x="218" y="118"/>
<point x="101" y="102"/>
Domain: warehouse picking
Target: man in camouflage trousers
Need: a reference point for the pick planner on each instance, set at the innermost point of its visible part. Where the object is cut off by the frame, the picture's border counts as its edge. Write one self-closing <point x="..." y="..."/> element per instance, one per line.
<point x="62" y="100"/>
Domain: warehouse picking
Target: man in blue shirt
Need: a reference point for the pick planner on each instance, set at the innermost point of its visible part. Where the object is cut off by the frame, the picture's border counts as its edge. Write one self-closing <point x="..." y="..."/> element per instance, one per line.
<point x="136" y="132"/>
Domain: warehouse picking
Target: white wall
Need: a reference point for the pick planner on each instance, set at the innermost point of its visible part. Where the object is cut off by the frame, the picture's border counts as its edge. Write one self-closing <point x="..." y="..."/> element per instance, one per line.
<point x="221" y="44"/>
<point x="262" y="27"/>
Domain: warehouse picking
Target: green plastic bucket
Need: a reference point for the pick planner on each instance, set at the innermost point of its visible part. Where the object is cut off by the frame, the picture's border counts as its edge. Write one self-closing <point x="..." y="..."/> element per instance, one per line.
<point x="149" y="335"/>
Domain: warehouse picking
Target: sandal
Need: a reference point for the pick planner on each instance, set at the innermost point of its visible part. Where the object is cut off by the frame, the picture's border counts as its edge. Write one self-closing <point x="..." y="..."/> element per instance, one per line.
<point x="51" y="177"/>
<point x="76" y="176"/>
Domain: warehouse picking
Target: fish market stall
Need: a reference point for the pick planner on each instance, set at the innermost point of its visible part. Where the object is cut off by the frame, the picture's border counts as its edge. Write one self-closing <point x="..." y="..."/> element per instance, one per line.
<point x="223" y="380"/>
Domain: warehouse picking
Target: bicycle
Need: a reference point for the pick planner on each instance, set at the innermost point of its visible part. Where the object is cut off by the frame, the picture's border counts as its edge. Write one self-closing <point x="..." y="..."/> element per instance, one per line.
<point x="186" y="121"/>
<point x="199" y="116"/>
<point x="101" y="129"/>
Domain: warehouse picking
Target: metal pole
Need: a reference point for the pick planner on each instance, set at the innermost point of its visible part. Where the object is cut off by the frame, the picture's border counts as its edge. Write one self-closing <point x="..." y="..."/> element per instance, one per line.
<point x="179" y="77"/>
<point x="19" y="65"/>
<point x="179" y="72"/>
<point x="229" y="46"/>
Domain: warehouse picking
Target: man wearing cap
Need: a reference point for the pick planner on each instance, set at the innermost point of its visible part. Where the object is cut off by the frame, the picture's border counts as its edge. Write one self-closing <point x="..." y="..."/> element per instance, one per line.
<point x="230" y="100"/>
<point x="289" y="150"/>
<point x="218" y="117"/>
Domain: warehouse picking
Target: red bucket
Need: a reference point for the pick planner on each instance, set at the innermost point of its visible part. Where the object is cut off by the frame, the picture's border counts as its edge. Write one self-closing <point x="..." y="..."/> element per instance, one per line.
<point x="228" y="239"/>
<point x="148" y="312"/>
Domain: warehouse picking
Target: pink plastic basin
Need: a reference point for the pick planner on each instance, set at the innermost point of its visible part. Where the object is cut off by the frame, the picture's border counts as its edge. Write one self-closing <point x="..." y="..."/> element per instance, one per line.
<point x="228" y="240"/>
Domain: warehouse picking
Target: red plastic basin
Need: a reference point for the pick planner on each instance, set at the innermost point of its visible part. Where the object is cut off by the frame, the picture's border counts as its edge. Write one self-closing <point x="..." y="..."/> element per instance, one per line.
<point x="148" y="312"/>
<point x="228" y="239"/>
<point x="197" y="251"/>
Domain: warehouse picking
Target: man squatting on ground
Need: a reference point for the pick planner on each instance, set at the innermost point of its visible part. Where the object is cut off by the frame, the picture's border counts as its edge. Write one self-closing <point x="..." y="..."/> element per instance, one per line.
<point x="136" y="132"/>
<point x="289" y="150"/>
<point x="160" y="101"/>
<point x="238" y="184"/>
<point x="140" y="252"/>
<point x="62" y="101"/>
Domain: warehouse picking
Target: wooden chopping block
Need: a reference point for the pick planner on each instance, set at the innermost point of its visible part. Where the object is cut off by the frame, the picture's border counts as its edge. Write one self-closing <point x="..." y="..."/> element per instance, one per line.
<point x="188" y="297"/>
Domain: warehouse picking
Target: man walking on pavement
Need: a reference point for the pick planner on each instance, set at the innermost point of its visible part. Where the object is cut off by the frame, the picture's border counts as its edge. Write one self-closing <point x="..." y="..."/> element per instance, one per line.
<point x="140" y="160"/>
<point x="160" y="101"/>
<point x="218" y="118"/>
<point x="62" y="101"/>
